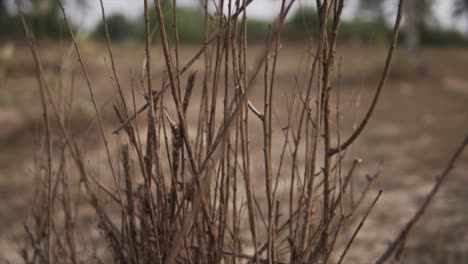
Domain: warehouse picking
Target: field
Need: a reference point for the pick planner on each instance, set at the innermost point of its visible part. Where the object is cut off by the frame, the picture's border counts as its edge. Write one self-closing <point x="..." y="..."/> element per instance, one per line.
<point x="417" y="125"/>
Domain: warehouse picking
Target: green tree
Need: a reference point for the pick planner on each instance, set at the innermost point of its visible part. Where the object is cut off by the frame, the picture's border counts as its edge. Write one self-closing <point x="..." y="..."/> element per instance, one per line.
<point x="3" y="11"/>
<point x="373" y="8"/>
<point x="461" y="9"/>
<point x="119" y="27"/>
<point x="416" y="12"/>
<point x="44" y="18"/>
<point x="190" y="23"/>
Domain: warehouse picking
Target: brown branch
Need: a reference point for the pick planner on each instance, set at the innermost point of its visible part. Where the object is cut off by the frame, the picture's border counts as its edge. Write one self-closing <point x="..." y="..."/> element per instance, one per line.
<point x="254" y="110"/>
<point x="46" y="118"/>
<point x="36" y="247"/>
<point x="187" y="65"/>
<point x="103" y="218"/>
<point x="388" y="62"/>
<point x="243" y="256"/>
<point x="359" y="227"/>
<point x="111" y="55"/>
<point x="93" y="99"/>
<point x="176" y="247"/>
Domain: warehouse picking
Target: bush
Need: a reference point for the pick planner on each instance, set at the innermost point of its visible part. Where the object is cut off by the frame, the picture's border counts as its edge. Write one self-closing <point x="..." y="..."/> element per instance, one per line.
<point x="365" y="32"/>
<point x="119" y="28"/>
<point x="43" y="25"/>
<point x="181" y="198"/>
<point x="306" y="20"/>
<point x="302" y="22"/>
<point x="441" y="37"/>
<point x="51" y="25"/>
<point x="257" y="30"/>
<point x="10" y="26"/>
<point x="190" y="24"/>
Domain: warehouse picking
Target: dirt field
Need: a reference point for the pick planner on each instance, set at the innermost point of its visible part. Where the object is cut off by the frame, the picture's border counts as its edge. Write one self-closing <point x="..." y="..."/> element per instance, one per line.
<point x="416" y="127"/>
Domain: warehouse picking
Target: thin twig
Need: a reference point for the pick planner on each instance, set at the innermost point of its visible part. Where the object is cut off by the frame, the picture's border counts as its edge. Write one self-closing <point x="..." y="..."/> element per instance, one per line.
<point x="46" y="119"/>
<point x="93" y="99"/>
<point x="359" y="227"/>
<point x="354" y="136"/>
<point x="34" y="244"/>
<point x="186" y="66"/>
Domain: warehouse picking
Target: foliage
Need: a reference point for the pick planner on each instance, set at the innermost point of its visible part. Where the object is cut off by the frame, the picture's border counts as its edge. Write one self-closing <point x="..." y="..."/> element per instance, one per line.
<point x="257" y="30"/>
<point x="365" y="32"/>
<point x="368" y="32"/>
<point x="376" y="8"/>
<point x="460" y="7"/>
<point x="190" y="24"/>
<point x="433" y="36"/>
<point x="9" y="26"/>
<point x="48" y="24"/>
<point x="303" y="22"/>
<point x="119" y="28"/>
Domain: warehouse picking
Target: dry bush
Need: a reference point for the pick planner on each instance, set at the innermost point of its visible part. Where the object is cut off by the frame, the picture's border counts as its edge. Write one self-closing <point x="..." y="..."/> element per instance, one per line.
<point x="184" y="193"/>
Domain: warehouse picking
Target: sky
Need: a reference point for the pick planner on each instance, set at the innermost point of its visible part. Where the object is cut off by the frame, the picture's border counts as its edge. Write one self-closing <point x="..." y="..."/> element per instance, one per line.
<point x="262" y="9"/>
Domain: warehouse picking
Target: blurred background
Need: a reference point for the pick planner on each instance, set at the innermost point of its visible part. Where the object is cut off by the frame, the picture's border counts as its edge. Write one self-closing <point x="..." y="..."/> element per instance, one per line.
<point x="421" y="118"/>
<point x="428" y="23"/>
<point x="438" y="22"/>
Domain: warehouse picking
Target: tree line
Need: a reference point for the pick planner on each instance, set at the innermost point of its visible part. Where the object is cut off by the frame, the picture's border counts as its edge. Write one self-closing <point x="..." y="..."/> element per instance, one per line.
<point x="368" y="27"/>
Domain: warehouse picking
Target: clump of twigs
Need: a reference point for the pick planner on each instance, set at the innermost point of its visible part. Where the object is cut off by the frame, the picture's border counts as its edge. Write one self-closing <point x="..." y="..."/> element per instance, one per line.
<point x="185" y="193"/>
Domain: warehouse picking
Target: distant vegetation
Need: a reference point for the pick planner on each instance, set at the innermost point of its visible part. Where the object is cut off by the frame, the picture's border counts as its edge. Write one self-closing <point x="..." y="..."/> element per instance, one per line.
<point x="305" y="21"/>
<point x="301" y="25"/>
<point x="190" y="23"/>
<point x="361" y="31"/>
<point x="119" y="27"/>
<point x="441" y="37"/>
<point x="44" y="25"/>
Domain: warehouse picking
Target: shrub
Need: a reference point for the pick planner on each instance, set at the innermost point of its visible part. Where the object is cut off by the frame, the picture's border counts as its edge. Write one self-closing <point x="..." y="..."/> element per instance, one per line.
<point x="43" y="25"/>
<point x="190" y="24"/>
<point x="257" y="30"/>
<point x="9" y="27"/>
<point x="119" y="28"/>
<point x="50" y="25"/>
<point x="192" y="197"/>
<point x="303" y="21"/>
<point x="365" y="32"/>
<point x="306" y="21"/>
<point x="433" y="36"/>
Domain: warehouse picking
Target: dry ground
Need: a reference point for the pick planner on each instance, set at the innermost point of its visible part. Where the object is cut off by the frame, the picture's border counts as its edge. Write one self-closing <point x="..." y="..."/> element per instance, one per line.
<point x="416" y="127"/>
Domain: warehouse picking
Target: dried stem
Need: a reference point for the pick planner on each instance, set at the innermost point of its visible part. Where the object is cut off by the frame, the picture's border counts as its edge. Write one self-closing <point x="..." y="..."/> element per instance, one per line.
<point x="388" y="62"/>
<point x="184" y="201"/>
<point x="359" y="227"/>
